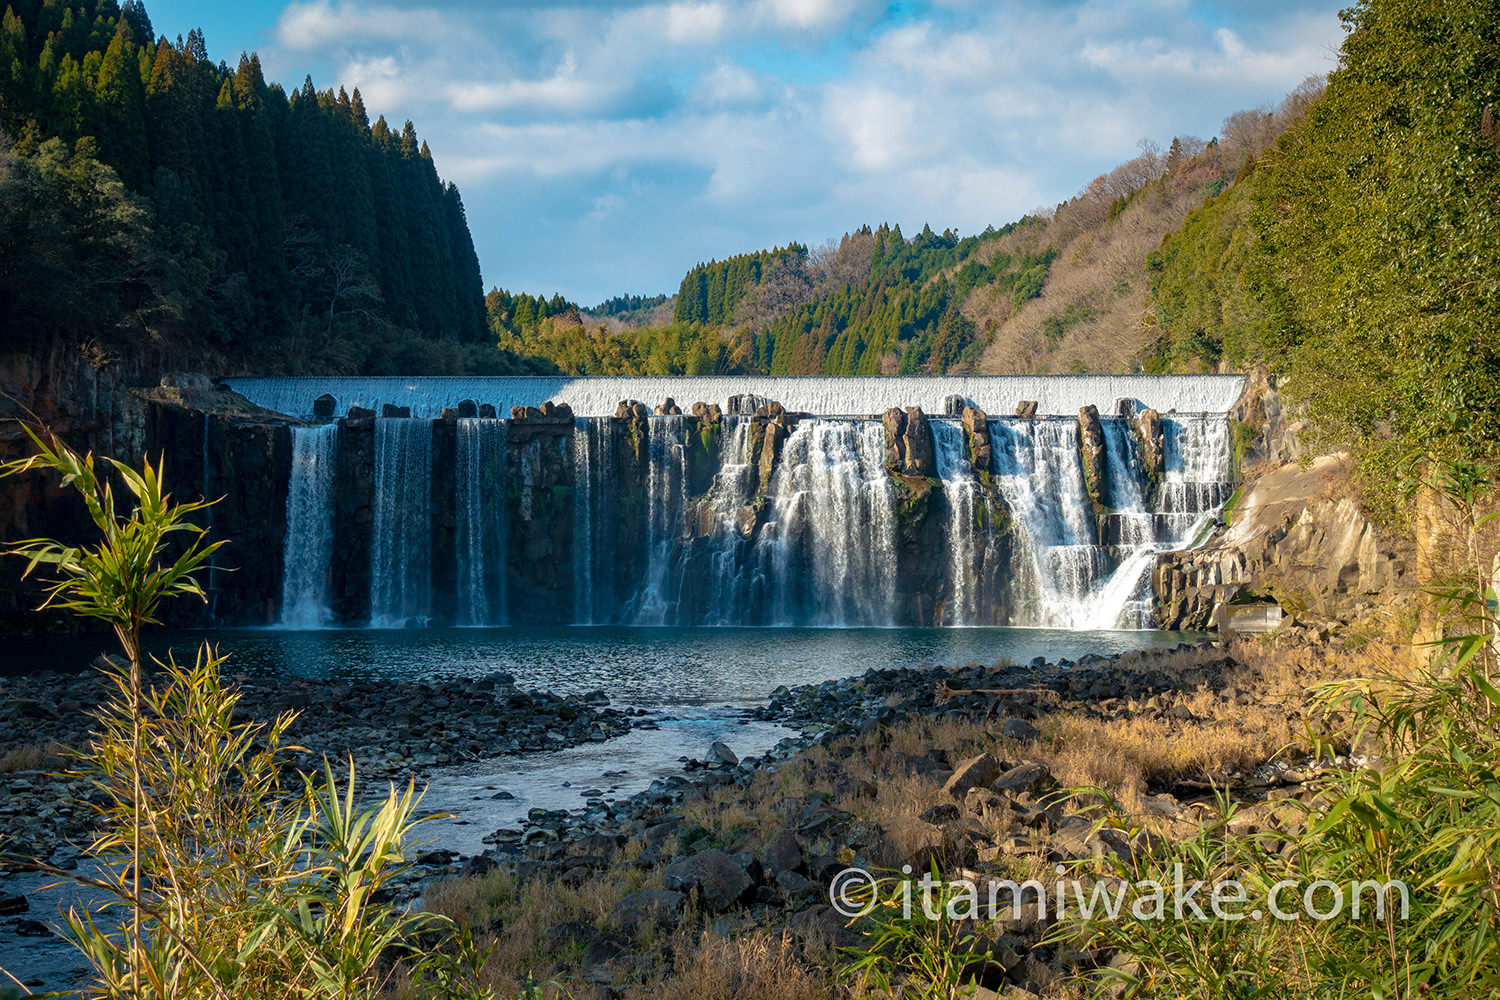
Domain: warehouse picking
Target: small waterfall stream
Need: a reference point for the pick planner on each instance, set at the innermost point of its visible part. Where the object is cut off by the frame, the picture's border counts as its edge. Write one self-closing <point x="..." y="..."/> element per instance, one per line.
<point x="829" y="545"/>
<point x="666" y="506"/>
<point x="480" y="519"/>
<point x="309" y="527"/>
<point x="964" y="537"/>
<point x="401" y="553"/>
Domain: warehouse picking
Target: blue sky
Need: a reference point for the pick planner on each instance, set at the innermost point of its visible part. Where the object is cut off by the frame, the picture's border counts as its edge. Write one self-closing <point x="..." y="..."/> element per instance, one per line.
<point x="605" y="146"/>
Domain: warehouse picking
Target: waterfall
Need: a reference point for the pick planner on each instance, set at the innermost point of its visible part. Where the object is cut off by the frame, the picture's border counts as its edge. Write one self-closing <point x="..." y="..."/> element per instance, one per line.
<point x="584" y="478"/>
<point x="401" y="554"/>
<point x="730" y="595"/>
<point x="1067" y="576"/>
<point x="1198" y="464"/>
<point x="830" y="543"/>
<point x="666" y="504"/>
<point x="479" y="478"/>
<point x="309" y="527"/>
<point x="965" y="541"/>
<point x="1038" y="468"/>
<point x="673" y="524"/>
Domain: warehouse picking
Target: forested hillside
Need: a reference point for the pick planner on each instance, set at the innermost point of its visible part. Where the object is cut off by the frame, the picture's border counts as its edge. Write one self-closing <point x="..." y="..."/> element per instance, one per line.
<point x="1058" y="291"/>
<point x="154" y="200"/>
<point x="1357" y="257"/>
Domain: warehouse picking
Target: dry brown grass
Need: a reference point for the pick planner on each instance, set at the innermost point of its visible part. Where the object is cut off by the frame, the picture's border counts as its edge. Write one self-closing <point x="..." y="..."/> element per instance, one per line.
<point x="757" y="966"/>
<point x="1099" y="273"/>
<point x="519" y="915"/>
<point x="30" y="757"/>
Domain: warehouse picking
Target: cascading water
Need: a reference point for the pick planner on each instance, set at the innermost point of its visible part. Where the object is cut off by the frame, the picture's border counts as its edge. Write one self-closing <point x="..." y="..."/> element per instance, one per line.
<point x="666" y="506"/>
<point x="585" y="429"/>
<point x="480" y="507"/>
<point x="829" y="547"/>
<point x="309" y="527"/>
<point x="1067" y="576"/>
<point x="729" y="594"/>
<point x="675" y="523"/>
<point x="1198" y="464"/>
<point x="401" y="553"/>
<point x="1037" y="468"/>
<point x="964" y="537"/>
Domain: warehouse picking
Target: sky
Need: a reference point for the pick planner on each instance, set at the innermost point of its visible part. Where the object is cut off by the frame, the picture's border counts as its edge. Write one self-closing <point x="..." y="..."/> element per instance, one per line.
<point x="603" y="147"/>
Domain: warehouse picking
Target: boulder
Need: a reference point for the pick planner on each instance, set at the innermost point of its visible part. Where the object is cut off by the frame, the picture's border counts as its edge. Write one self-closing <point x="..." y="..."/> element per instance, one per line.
<point x="895" y="445"/>
<point x="943" y="812"/>
<point x="1020" y="730"/>
<point x="983" y="804"/>
<point x="487" y="410"/>
<point x="1026" y="408"/>
<point x="324" y="405"/>
<point x="1026" y="779"/>
<point x="783" y="853"/>
<point x="391" y="411"/>
<point x="719" y="753"/>
<point x="467" y="409"/>
<point x="977" y="432"/>
<point x="720" y="881"/>
<point x="603" y="956"/>
<point x="646" y="910"/>
<point x="360" y="413"/>
<point x="907" y="840"/>
<point x="745" y="404"/>
<point x="448" y="414"/>
<point x="972" y="773"/>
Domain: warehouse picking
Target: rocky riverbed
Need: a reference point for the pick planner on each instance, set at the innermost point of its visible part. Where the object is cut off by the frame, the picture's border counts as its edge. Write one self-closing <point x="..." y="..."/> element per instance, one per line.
<point x="962" y="767"/>
<point x="393" y="731"/>
<point x="896" y="766"/>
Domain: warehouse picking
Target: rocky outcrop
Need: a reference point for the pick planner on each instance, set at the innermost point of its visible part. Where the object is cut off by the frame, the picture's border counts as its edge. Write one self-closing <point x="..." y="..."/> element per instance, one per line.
<point x="1026" y="409"/>
<point x="1293" y="541"/>
<point x="1095" y="461"/>
<point x="539" y="506"/>
<point x="1266" y="430"/>
<point x="772" y="426"/>
<point x="1153" y="443"/>
<point x="976" y="425"/>
<point x="908" y="443"/>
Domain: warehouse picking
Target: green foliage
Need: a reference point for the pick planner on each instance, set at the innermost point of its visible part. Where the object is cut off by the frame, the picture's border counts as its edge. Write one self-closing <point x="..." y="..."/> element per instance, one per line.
<point x="885" y="305"/>
<point x="914" y="949"/>
<point x="1353" y="257"/>
<point x="235" y="886"/>
<point x="122" y="579"/>
<point x="205" y="211"/>
<point x="710" y="292"/>
<point x="906" y="318"/>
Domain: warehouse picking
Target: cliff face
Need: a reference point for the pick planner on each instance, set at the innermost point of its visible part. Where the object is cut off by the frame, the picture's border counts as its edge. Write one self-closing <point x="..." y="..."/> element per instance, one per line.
<point x="214" y="443"/>
<point x="1291" y="540"/>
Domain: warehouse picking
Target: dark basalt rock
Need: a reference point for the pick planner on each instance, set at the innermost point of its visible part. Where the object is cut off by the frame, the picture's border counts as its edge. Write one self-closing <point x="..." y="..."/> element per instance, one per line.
<point x="1091" y="437"/>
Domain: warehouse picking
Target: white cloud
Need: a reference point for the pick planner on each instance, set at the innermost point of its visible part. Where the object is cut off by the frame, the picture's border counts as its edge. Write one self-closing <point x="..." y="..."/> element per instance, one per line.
<point x="696" y="128"/>
<point x="695" y="23"/>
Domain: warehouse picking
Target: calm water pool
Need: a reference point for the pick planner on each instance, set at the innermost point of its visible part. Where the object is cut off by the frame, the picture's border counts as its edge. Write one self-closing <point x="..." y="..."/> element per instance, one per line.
<point x="655" y="667"/>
